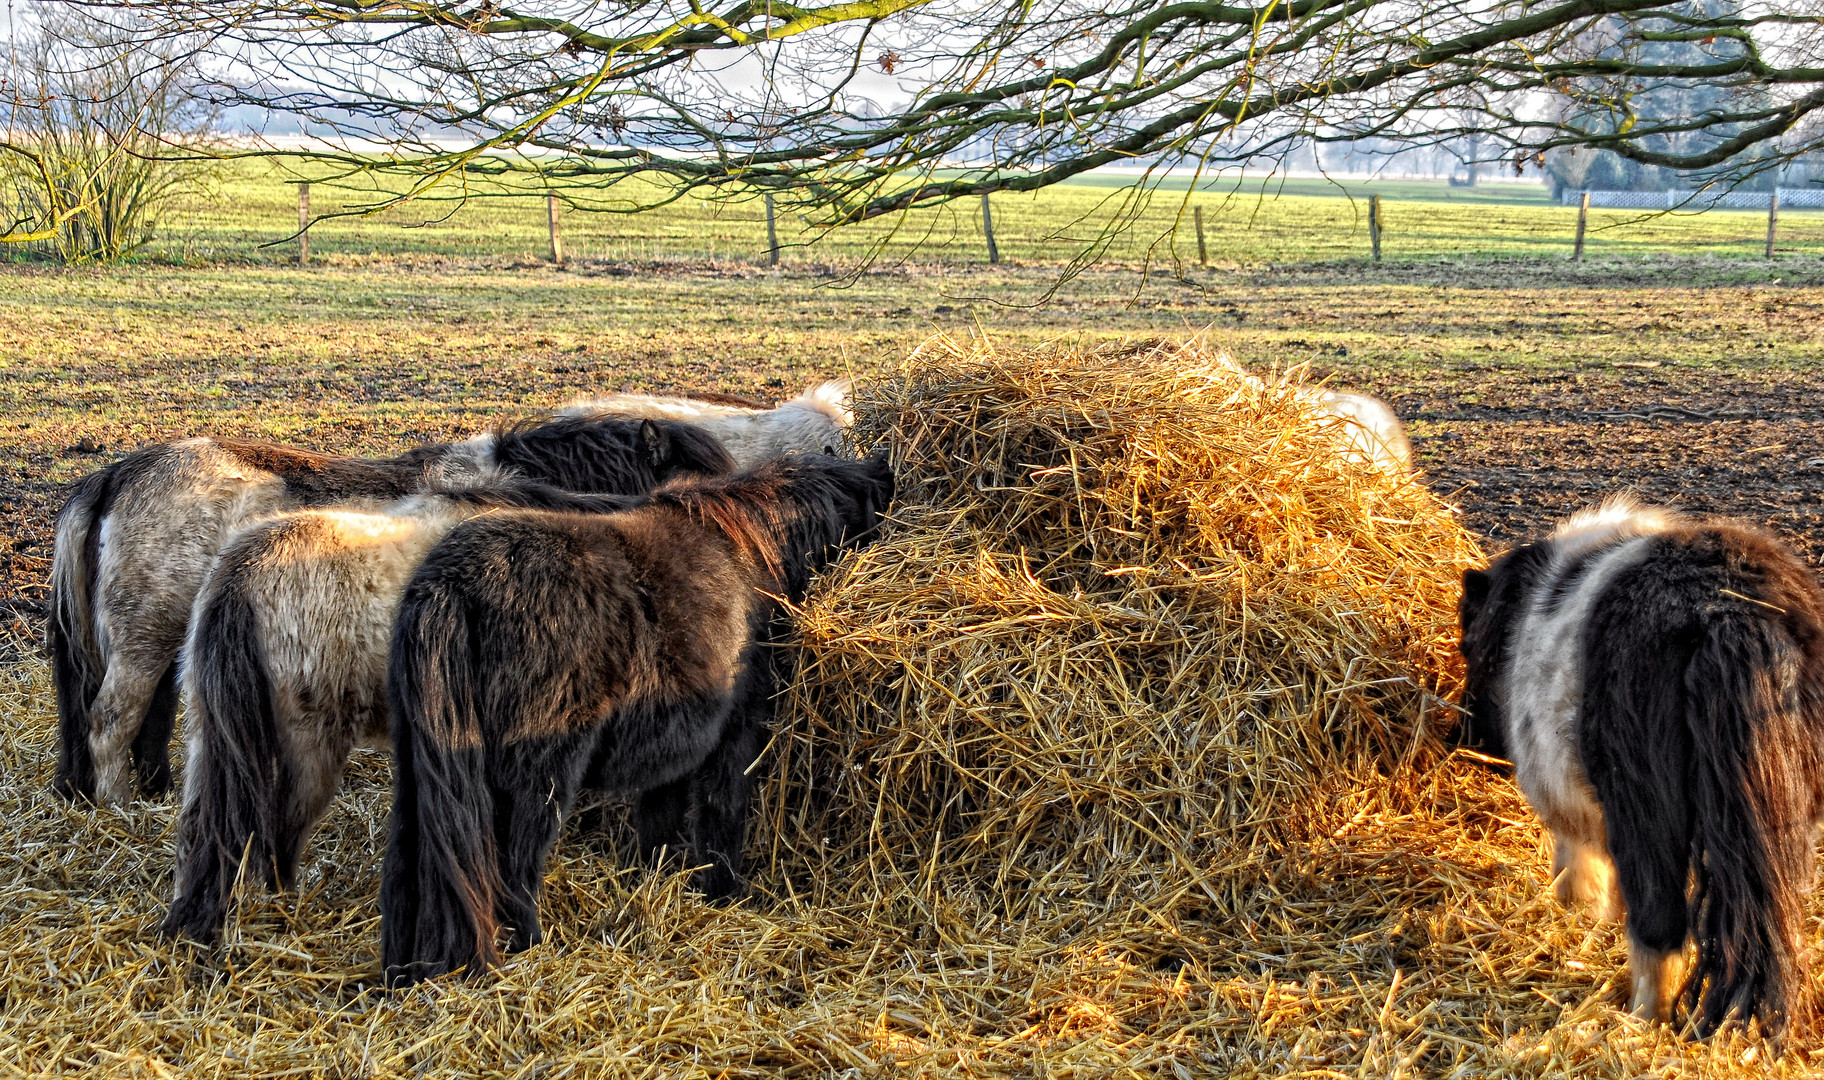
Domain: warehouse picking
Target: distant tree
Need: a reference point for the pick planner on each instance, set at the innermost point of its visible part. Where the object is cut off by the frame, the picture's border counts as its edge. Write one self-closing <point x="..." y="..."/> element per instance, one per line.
<point x="91" y="128"/>
<point x="857" y="108"/>
<point x="1685" y="118"/>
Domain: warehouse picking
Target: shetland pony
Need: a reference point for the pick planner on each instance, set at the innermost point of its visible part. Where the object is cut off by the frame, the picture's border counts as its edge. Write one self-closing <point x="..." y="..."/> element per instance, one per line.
<point x="1372" y="430"/>
<point x="1369" y="428"/>
<point x="813" y="422"/>
<point x="136" y="538"/>
<point x="284" y="674"/>
<point x="1658" y="684"/>
<point x="537" y="653"/>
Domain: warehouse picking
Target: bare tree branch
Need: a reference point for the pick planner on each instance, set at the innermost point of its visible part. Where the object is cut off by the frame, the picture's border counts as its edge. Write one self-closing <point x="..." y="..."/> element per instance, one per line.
<point x="858" y="109"/>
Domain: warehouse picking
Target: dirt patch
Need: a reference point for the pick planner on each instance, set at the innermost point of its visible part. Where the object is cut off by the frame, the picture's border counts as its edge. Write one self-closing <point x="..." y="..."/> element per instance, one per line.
<point x="1526" y="451"/>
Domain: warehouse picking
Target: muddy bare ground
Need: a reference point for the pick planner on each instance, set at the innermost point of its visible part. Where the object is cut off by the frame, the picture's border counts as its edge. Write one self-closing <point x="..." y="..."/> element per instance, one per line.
<point x="1530" y="449"/>
<point x="1515" y="450"/>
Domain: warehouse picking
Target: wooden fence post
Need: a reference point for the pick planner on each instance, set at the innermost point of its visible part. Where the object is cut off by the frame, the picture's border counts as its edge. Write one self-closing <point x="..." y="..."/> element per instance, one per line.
<point x="1203" y="255"/>
<point x="1583" y="220"/>
<point x="1773" y="221"/>
<point x="557" y="241"/>
<point x="994" y="253"/>
<point x="772" y="235"/>
<point x="303" y="223"/>
<point x="1374" y="225"/>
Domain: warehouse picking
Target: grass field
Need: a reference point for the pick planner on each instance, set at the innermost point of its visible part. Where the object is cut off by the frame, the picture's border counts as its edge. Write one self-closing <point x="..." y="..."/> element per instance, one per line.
<point x="1529" y="385"/>
<point x="1248" y="223"/>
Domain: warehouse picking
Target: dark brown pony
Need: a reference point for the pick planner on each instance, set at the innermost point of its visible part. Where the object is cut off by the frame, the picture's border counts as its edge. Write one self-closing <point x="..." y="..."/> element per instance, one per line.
<point x="284" y="674"/>
<point x="539" y="653"/>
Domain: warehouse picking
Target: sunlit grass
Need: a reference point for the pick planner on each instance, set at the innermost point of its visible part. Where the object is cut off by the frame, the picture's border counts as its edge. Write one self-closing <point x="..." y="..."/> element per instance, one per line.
<point x="251" y="211"/>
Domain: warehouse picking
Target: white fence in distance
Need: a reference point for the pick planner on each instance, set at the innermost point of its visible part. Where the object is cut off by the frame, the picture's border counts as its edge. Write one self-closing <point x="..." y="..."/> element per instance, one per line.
<point x="1809" y="198"/>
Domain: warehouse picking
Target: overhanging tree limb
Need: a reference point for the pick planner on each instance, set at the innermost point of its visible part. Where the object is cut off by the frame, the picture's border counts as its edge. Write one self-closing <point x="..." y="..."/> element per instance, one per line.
<point x="858" y="109"/>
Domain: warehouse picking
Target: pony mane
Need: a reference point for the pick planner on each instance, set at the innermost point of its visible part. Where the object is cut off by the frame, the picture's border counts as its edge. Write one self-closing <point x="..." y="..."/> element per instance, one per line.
<point x="1618" y="517"/>
<point x="595" y="453"/>
<point x="784" y="514"/>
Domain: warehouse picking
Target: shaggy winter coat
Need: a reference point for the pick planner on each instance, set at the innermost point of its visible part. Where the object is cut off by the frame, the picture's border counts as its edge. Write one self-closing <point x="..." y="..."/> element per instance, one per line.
<point x="135" y="540"/>
<point x="1658" y="684"/>
<point x="539" y="653"/>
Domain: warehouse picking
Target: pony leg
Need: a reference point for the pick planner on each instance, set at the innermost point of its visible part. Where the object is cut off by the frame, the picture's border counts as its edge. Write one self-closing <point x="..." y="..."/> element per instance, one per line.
<point x="658" y="817"/>
<point x="527" y="821"/>
<point x="1658" y="975"/>
<point x="1584" y="876"/>
<point x="114" y="722"/>
<point x="719" y="794"/>
<point x="152" y="746"/>
<point x="1650" y="841"/>
<point x="308" y="785"/>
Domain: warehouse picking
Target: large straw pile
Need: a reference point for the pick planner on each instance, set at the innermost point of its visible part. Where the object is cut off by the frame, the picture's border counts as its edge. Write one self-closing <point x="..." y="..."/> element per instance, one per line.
<point x="1117" y="757"/>
<point x="1141" y="623"/>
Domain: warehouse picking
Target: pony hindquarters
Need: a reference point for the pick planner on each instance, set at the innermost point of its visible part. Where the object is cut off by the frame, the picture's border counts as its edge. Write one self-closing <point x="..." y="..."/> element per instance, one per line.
<point x="1704" y="742"/>
<point x="284" y="675"/>
<point x="1659" y="685"/>
<point x="537" y="653"/>
<point x="499" y="624"/>
<point x="133" y="546"/>
<point x="288" y="652"/>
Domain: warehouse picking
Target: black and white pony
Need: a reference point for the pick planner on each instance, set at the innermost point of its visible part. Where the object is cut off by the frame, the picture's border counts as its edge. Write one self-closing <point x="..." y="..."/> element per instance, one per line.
<point x="1658" y="684"/>
<point x="539" y="653"/>
<point x="136" y="538"/>
<point x="814" y="422"/>
<point x="284" y="674"/>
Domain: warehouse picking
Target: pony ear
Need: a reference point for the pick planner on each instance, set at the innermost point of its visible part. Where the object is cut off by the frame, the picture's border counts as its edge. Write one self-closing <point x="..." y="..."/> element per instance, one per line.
<point x="1476" y="585"/>
<point x="655" y="442"/>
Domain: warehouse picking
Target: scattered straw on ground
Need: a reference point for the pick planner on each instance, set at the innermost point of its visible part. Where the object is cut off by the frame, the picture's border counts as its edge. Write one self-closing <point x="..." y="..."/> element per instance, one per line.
<point x="1119" y="755"/>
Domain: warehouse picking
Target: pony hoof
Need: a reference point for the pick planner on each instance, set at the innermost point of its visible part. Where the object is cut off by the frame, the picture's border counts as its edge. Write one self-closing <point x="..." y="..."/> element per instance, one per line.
<point x="70" y="791"/>
<point x="176" y="929"/>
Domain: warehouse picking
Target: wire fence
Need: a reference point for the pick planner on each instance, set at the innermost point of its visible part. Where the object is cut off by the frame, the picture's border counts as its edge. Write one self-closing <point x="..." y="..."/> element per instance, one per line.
<point x="1810" y="198"/>
<point x="257" y="218"/>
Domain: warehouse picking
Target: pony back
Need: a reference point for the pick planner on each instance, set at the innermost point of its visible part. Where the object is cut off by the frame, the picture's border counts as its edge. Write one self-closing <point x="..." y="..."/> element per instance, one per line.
<point x="608" y="454"/>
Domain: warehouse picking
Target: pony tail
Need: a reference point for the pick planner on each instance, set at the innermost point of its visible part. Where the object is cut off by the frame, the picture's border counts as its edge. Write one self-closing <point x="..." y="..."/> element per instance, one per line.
<point x="229" y="817"/>
<point x="69" y="632"/>
<point x="1751" y="852"/>
<point x="440" y="878"/>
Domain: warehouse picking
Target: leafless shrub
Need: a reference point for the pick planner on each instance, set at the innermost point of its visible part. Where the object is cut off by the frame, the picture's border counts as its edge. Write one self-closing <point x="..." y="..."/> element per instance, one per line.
<point x="97" y="137"/>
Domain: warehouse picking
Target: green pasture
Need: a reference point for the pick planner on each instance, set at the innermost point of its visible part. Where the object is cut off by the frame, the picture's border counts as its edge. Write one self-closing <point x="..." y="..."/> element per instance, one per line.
<point x="250" y="210"/>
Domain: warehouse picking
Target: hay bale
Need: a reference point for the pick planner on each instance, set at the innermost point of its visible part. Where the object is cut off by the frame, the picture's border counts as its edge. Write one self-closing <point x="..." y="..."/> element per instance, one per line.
<point x="1141" y="621"/>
